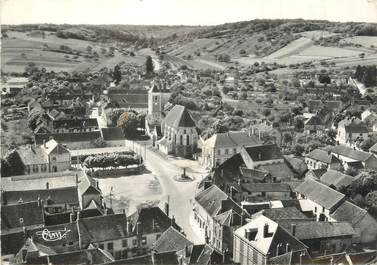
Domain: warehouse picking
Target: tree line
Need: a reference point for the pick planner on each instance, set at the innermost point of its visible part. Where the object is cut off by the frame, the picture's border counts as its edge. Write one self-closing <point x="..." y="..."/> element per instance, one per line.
<point x="112" y="160"/>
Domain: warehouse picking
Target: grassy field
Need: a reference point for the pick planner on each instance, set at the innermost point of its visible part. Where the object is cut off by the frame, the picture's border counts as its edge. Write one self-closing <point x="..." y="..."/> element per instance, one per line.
<point x="21" y="48"/>
<point x="365" y="41"/>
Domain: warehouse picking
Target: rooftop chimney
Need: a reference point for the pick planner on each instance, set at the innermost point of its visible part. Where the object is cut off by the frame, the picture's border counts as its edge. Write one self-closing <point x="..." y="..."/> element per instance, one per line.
<point x="21" y="220"/>
<point x="278" y="246"/>
<point x="293" y="229"/>
<point x="265" y="231"/>
<point x="172" y="221"/>
<point x="167" y="208"/>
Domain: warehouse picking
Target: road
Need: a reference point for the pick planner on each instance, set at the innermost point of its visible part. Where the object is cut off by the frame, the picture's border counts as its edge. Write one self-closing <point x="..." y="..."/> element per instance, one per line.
<point x="181" y="194"/>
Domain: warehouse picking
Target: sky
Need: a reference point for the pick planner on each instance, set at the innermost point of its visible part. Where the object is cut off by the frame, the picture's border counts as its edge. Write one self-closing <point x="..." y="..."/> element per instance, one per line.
<point x="181" y="12"/>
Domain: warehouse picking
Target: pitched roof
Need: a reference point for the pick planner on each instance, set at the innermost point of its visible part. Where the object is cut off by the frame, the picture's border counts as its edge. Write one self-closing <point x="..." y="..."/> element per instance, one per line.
<point x="32" y="155"/>
<point x="264" y="152"/>
<point x="112" y="134"/>
<point x="171" y="240"/>
<point x="151" y="220"/>
<point x="232" y="138"/>
<point x="11" y="243"/>
<point x="75" y="123"/>
<point x="290" y="213"/>
<point x="67" y="195"/>
<point x="277" y="170"/>
<point x="31" y="213"/>
<point x="373" y="149"/>
<point x="354" y="126"/>
<point x="349" y="212"/>
<point x="292" y="257"/>
<point x="50" y="146"/>
<point x="320" y="193"/>
<point x="336" y="178"/>
<point x="179" y="116"/>
<point x="68" y="137"/>
<point x="307" y="229"/>
<point x="82" y="256"/>
<point x="320" y="155"/>
<point x="112" y="226"/>
<point x="225" y="218"/>
<point x="317" y="173"/>
<point x="210" y="199"/>
<point x="276" y="234"/>
<point x="266" y="187"/>
<point x="350" y="152"/>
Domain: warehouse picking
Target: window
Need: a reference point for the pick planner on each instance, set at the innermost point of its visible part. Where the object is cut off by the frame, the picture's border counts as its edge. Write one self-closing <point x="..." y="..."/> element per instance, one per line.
<point x="180" y="139"/>
<point x="184" y="131"/>
<point x="218" y="152"/>
<point x="44" y="168"/>
<point x="144" y="240"/>
<point x="35" y="168"/>
<point x="124" y="243"/>
<point x="226" y="151"/>
<point x="101" y="246"/>
<point x="134" y="242"/>
<point x="234" y="150"/>
<point x="187" y="140"/>
<point x="155" y="98"/>
<point x="27" y="169"/>
<point x="315" y="209"/>
<point x="110" y="246"/>
<point x="158" y="236"/>
<point x="53" y="159"/>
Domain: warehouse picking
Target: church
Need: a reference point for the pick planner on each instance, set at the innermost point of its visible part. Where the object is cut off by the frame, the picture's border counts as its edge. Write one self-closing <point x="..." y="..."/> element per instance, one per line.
<point x="179" y="133"/>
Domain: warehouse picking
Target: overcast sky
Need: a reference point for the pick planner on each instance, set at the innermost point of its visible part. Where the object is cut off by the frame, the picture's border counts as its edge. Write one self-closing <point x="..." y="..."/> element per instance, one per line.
<point x="181" y="12"/>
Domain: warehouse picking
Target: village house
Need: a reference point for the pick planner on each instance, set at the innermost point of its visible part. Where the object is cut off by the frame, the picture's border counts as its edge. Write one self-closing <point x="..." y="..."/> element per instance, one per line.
<point x="179" y="133"/>
<point x="351" y="130"/>
<point x="50" y="156"/>
<point x="15" y="85"/>
<point x="320" y="199"/>
<point x="208" y="204"/>
<point x="321" y="238"/>
<point x="221" y="146"/>
<point x="71" y="140"/>
<point x="321" y="159"/>
<point x="113" y="136"/>
<point x="259" y="192"/>
<point x="262" y="239"/>
<point x="354" y="158"/>
<point x="364" y="224"/>
<point x="336" y="179"/>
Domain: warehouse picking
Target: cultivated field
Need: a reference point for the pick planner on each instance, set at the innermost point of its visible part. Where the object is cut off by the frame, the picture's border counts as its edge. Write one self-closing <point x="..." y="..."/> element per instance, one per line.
<point x="20" y="48"/>
<point x="366" y="41"/>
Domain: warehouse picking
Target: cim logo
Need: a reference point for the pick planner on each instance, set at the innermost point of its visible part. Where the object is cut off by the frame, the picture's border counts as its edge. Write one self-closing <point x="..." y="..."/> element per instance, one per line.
<point x="54" y="235"/>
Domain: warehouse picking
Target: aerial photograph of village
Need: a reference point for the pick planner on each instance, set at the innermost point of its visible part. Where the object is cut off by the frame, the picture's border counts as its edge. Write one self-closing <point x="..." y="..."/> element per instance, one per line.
<point x="188" y="132"/>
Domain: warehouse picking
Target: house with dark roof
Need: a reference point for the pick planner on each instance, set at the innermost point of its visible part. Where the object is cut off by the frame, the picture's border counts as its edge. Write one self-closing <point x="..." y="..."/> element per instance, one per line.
<point x="203" y="254"/>
<point x="351" y="130"/>
<point x="350" y="157"/>
<point x="292" y="258"/>
<point x="364" y="224"/>
<point x="113" y="136"/>
<point x="50" y="156"/>
<point x="15" y="217"/>
<point x="221" y="146"/>
<point x="260" y="240"/>
<point x="321" y="237"/>
<point x="259" y="192"/>
<point x="215" y="212"/>
<point x="171" y="240"/>
<point x="72" y="140"/>
<point x="336" y="179"/>
<point x="320" y="198"/>
<point x="314" y="125"/>
<point x="179" y="133"/>
<point x="319" y="158"/>
<point x="75" y="125"/>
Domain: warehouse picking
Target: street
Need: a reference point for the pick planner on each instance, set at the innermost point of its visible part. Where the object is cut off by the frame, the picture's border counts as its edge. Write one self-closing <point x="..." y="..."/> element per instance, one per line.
<point x="181" y="193"/>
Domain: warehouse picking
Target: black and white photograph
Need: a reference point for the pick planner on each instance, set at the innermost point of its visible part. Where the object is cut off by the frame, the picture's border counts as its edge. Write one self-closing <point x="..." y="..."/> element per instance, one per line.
<point x="188" y="132"/>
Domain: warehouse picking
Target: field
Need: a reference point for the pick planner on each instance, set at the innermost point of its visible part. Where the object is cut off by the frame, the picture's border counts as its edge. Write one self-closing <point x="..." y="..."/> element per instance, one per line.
<point x="366" y="41"/>
<point x="21" y="48"/>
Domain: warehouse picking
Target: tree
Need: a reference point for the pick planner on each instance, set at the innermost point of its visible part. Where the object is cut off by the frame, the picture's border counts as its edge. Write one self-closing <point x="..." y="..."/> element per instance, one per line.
<point x="324" y="79"/>
<point x="6" y="170"/>
<point x="130" y="123"/>
<point x="149" y="67"/>
<point x="117" y="74"/>
<point x="99" y="142"/>
<point x="14" y="161"/>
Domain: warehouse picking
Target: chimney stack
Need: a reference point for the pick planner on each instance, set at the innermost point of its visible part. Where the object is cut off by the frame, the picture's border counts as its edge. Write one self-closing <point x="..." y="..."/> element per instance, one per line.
<point x="71" y="217"/>
<point x="265" y="230"/>
<point x="172" y="221"/>
<point x="21" y="220"/>
<point x="277" y="248"/>
<point x="293" y="229"/>
<point x="167" y="208"/>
